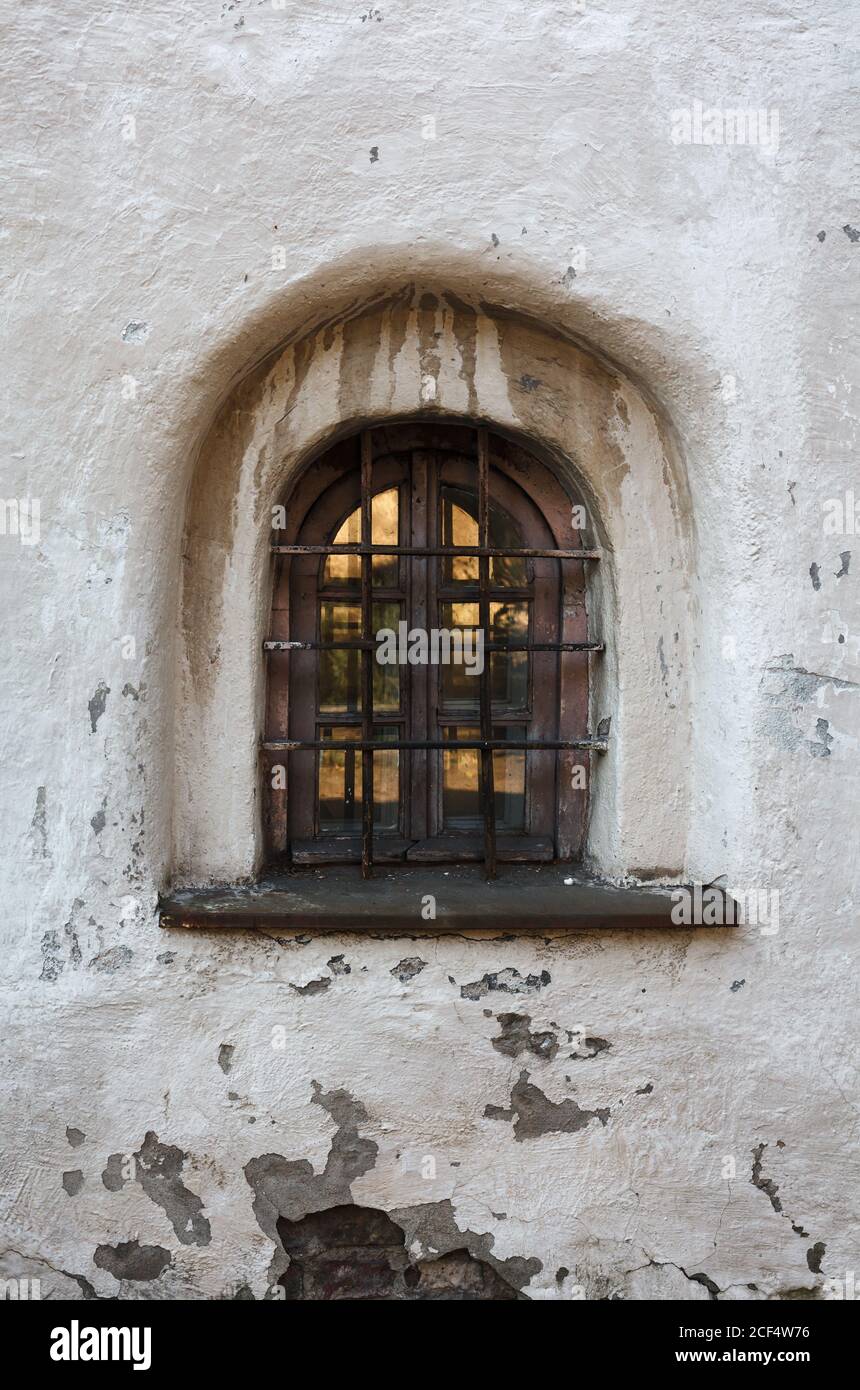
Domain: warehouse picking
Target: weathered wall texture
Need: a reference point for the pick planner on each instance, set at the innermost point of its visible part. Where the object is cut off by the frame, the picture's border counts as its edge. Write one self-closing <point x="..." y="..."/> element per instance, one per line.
<point x="233" y="229"/>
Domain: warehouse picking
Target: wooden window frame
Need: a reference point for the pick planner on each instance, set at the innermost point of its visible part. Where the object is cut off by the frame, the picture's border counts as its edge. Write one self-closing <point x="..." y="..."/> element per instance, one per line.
<point x="558" y="643"/>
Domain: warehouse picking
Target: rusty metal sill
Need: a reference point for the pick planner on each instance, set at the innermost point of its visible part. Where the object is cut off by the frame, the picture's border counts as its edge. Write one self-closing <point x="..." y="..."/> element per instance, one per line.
<point x="536" y="898"/>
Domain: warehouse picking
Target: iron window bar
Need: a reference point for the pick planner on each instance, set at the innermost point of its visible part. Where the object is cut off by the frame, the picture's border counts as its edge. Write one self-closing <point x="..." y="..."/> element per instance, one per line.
<point x="421" y="745"/>
<point x="429" y="551"/>
<point x="366" y="644"/>
<point x="359" y="644"/>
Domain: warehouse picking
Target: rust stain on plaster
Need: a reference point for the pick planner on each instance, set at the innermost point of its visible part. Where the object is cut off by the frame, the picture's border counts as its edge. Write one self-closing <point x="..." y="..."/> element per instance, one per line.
<point x="465" y="330"/>
<point x="548" y="364"/>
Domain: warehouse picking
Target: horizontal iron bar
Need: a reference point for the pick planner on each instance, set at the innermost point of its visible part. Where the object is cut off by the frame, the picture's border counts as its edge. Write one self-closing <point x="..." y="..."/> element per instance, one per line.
<point x="422" y="551"/>
<point x="358" y="644"/>
<point x="594" y="745"/>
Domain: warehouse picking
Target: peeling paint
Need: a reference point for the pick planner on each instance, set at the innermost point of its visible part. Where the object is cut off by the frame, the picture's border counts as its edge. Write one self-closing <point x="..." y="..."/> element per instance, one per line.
<point x="158" y="1168"/>
<point x="507" y="981"/>
<point x="97" y="704"/>
<point x="406" y="969"/>
<point x="131" y="1260"/>
<point x="535" y="1114"/>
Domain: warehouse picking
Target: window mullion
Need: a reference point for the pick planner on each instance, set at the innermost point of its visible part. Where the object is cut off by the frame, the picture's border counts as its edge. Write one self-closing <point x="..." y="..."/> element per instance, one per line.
<point x="366" y="657"/>
<point x="487" y="794"/>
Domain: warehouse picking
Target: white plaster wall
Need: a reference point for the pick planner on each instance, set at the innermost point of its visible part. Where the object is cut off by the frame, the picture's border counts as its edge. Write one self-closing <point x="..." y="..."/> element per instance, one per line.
<point x="718" y="282"/>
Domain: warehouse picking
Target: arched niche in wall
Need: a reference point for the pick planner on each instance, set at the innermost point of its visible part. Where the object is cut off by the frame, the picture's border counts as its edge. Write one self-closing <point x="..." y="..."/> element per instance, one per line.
<point x="425" y="355"/>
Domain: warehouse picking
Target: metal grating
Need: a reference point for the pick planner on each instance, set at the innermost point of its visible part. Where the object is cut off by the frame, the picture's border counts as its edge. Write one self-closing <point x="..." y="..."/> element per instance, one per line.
<point x="366" y="644"/>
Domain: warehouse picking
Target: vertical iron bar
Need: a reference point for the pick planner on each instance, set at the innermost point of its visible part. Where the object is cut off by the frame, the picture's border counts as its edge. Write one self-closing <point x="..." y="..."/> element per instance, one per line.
<point x="367" y="657"/>
<point x="487" y="784"/>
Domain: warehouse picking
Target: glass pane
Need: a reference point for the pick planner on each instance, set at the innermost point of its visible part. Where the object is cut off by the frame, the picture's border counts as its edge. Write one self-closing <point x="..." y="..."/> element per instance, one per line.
<point x="340" y="672"/>
<point x="345" y="570"/>
<point x="460" y="527"/>
<point x="509" y="672"/>
<point x="458" y="686"/>
<point x="461" y="806"/>
<point x="340" y="783"/>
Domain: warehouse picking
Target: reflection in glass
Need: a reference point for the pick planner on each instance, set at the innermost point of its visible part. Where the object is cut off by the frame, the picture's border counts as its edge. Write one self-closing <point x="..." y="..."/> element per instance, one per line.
<point x="340" y="672"/>
<point x="461" y="803"/>
<point x="345" y="570"/>
<point x="339" y="779"/>
<point x="460" y="527"/>
<point x="509" y="672"/>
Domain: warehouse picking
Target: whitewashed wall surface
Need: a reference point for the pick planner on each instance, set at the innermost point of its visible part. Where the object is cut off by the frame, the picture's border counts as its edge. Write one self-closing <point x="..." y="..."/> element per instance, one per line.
<point x="626" y="231"/>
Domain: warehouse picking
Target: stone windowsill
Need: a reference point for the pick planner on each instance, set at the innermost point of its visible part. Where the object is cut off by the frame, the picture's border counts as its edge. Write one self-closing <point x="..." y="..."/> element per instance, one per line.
<point x="523" y="898"/>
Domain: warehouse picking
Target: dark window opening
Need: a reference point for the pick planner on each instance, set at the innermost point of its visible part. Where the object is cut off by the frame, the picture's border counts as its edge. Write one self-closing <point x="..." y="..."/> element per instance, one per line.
<point x="473" y="741"/>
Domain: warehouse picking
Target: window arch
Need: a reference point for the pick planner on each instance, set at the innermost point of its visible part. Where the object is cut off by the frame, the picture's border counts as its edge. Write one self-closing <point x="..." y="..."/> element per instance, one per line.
<point x="445" y="741"/>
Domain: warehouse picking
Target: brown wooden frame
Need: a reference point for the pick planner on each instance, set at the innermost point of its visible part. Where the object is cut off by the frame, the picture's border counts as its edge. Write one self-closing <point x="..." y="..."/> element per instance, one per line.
<point x="420" y="459"/>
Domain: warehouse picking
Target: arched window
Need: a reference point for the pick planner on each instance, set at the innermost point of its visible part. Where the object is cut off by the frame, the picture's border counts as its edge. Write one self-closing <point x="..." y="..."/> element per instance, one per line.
<point x="428" y="656"/>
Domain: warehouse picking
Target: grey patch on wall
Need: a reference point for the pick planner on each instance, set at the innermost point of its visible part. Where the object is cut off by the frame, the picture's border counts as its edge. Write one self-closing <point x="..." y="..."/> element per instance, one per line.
<point x="851" y="232"/>
<point x="785" y="689"/>
<point x="338" y="966"/>
<point x="73" y="1181"/>
<point x="406" y="969"/>
<point x="815" y="1255"/>
<point x="99" y="820"/>
<point x="508" y="981"/>
<point x="158" y="1169"/>
<point x="135" y="332"/>
<point x="313" y="986"/>
<point x="434" y="1226"/>
<point x="131" y="1260"/>
<point x="820" y="747"/>
<point x="58" y="952"/>
<point x="595" y="1047"/>
<point x="815" y="576"/>
<point x="38" y="825"/>
<point x="97" y="704"/>
<point x="75" y="1137"/>
<point x="516" y="1037"/>
<point x="225" y="1057"/>
<point x="534" y="1114"/>
<point x="766" y="1185"/>
<point x="107" y="962"/>
<point x="52" y="962"/>
<point x="360" y="1253"/>
<point x="845" y="562"/>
